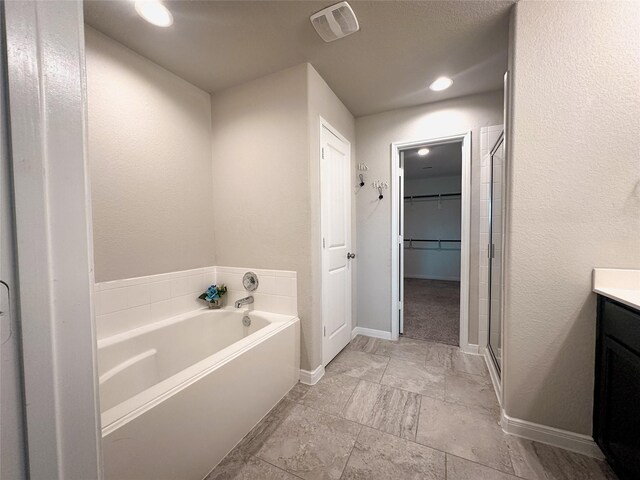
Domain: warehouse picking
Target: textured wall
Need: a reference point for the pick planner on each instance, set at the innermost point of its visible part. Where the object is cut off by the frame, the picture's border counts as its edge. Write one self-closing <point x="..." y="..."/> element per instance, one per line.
<point x="375" y="133"/>
<point x="149" y="148"/>
<point x="261" y="179"/>
<point x="573" y="197"/>
<point x="266" y="165"/>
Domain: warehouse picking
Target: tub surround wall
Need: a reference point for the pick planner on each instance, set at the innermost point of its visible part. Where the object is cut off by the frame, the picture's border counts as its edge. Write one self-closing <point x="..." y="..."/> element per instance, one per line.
<point x="277" y="290"/>
<point x="573" y="197"/>
<point x="375" y="133"/>
<point x="123" y="305"/>
<point x="149" y="151"/>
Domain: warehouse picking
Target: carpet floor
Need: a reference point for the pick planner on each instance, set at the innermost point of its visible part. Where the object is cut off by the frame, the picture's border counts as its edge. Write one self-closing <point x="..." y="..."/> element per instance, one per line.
<point x="432" y="310"/>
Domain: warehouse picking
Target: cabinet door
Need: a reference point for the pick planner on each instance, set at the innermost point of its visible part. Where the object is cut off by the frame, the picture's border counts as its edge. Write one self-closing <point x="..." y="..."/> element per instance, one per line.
<point x="617" y="415"/>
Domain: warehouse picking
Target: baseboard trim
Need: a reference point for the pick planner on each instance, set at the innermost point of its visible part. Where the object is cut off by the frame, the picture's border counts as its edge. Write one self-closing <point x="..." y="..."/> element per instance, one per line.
<point x="370" y="332"/>
<point x="311" y="377"/>
<point x="472" y="349"/>
<point x="433" y="277"/>
<point x="575" y="442"/>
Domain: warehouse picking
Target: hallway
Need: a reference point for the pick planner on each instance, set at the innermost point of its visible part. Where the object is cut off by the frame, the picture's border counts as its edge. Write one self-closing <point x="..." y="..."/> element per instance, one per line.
<point x="432" y="310"/>
<point x="397" y="410"/>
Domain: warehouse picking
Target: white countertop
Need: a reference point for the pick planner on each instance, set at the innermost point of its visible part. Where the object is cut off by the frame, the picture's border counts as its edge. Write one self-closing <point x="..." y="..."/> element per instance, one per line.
<point x="622" y="285"/>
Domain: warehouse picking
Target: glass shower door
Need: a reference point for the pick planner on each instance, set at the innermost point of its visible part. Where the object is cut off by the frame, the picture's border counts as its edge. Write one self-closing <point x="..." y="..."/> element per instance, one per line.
<point x="495" y="251"/>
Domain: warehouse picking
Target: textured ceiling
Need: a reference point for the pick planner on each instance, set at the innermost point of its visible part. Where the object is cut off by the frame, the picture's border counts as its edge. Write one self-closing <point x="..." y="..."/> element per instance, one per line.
<point x="400" y="48"/>
<point x="444" y="160"/>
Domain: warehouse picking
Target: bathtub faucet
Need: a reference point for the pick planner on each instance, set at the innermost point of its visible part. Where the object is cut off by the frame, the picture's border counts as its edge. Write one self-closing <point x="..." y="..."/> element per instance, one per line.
<point x="244" y="301"/>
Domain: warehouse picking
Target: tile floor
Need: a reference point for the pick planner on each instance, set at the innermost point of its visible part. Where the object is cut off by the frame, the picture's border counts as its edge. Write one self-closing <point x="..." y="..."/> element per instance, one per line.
<point x="397" y="410"/>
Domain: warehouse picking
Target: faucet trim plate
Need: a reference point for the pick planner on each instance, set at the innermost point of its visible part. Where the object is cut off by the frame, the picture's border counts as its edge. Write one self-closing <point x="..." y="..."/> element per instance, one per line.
<point x="250" y="281"/>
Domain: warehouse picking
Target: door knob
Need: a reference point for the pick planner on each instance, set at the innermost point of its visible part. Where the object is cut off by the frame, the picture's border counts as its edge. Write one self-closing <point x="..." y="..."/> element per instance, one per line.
<point x="351" y="255"/>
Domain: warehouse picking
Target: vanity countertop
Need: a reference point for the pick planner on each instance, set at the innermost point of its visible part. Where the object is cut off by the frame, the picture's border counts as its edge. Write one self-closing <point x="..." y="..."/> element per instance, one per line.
<point x="622" y="285"/>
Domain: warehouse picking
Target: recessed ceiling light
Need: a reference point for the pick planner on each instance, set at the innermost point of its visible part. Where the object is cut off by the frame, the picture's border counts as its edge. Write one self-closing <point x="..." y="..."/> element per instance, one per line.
<point x="154" y="12"/>
<point x="441" y="83"/>
<point x="423" y="151"/>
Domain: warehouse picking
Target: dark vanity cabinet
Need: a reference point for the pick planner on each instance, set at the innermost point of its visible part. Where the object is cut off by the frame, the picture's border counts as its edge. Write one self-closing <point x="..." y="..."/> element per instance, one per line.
<point x="616" y="416"/>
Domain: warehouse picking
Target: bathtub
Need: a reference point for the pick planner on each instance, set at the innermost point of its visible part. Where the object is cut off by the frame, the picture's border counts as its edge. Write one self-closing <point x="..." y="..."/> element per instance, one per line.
<point x="177" y="395"/>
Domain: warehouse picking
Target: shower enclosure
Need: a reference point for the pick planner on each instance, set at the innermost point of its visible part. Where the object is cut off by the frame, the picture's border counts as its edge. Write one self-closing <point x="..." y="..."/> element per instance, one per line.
<point x="496" y="184"/>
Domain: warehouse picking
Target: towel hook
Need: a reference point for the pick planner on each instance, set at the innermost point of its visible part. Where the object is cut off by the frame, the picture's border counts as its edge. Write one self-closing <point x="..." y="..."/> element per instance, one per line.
<point x="361" y="180"/>
<point x="380" y="197"/>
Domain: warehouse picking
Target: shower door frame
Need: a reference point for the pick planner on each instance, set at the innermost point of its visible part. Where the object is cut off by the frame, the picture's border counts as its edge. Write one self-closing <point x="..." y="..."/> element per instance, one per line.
<point x="465" y="232"/>
<point x="498" y="366"/>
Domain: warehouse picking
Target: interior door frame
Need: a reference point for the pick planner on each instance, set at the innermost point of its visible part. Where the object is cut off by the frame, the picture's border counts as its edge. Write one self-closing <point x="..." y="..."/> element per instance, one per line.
<point x="465" y="231"/>
<point x="325" y="124"/>
<point x="45" y="64"/>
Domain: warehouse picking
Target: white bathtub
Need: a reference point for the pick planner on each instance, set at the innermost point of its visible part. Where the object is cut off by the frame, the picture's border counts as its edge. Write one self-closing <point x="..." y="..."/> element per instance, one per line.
<point x="177" y="395"/>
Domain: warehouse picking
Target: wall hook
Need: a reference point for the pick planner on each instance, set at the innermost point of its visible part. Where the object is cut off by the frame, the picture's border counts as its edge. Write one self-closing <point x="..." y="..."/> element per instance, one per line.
<point x="380" y="197"/>
<point x="361" y="180"/>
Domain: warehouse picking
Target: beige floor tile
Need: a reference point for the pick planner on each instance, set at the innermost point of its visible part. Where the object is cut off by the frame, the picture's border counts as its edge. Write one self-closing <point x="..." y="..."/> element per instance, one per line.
<point x="254" y="440"/>
<point x="439" y="355"/>
<point x="358" y="364"/>
<point x="380" y="456"/>
<point x="466" y="363"/>
<point x="465" y="432"/>
<point x="415" y="377"/>
<point x="472" y="390"/>
<point x="406" y="348"/>
<point x="330" y="394"/>
<point x="461" y="469"/>
<point x="242" y="466"/>
<point x="310" y="444"/>
<point x="298" y="391"/>
<point x="365" y="344"/>
<point x="537" y="461"/>
<point x="384" y="408"/>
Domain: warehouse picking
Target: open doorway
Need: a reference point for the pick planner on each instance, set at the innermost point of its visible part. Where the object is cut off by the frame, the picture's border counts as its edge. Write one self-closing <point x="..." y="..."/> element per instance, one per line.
<point x="432" y="227"/>
<point x="431" y="224"/>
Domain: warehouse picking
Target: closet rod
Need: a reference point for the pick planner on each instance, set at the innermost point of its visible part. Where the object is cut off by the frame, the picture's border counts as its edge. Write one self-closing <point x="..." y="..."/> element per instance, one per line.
<point x="436" y="195"/>
<point x="428" y="240"/>
<point x="436" y="249"/>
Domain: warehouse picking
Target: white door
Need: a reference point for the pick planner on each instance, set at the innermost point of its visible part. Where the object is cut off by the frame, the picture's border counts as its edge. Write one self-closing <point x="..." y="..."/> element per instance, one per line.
<point x="400" y="244"/>
<point x="335" y="178"/>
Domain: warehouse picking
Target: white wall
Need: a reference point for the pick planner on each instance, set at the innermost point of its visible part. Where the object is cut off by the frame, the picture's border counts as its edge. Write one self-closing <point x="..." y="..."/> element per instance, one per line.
<point x="149" y="149"/>
<point x="573" y="200"/>
<point x="375" y="133"/>
<point x="432" y="219"/>
<point x="266" y="182"/>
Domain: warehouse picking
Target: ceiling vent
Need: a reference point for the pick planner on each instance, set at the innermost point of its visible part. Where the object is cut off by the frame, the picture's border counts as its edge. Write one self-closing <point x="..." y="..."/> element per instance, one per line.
<point x="335" y="22"/>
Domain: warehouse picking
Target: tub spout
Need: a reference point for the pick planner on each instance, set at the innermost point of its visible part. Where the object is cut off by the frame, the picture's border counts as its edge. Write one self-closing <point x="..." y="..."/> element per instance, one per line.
<point x="244" y="301"/>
